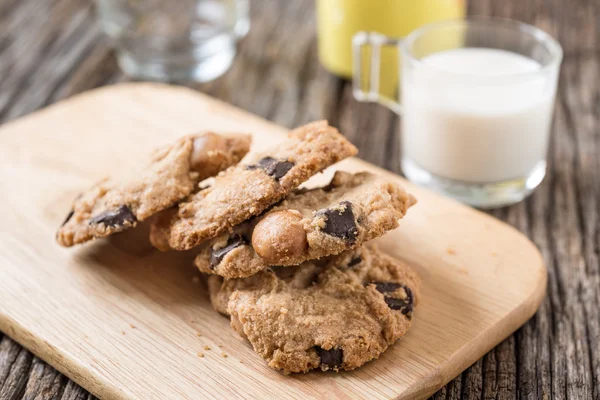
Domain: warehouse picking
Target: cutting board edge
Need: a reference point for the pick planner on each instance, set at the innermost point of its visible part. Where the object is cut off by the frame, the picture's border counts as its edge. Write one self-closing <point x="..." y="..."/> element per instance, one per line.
<point x="473" y="351"/>
<point x="63" y="363"/>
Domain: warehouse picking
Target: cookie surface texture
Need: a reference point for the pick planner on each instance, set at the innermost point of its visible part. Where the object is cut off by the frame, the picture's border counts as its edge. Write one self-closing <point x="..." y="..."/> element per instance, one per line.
<point x="309" y="224"/>
<point x="170" y="174"/>
<point x="336" y="314"/>
<point x="244" y="191"/>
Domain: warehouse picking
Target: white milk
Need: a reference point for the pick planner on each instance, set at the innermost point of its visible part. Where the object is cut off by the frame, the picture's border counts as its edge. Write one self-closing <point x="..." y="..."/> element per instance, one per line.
<point x="466" y="118"/>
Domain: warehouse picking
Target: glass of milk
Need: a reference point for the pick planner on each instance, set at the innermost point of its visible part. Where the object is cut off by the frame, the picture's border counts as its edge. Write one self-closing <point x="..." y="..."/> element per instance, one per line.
<point x="476" y="112"/>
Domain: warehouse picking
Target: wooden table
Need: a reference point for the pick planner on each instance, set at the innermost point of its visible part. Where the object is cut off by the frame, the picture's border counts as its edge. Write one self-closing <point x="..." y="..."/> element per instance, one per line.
<point x="53" y="49"/>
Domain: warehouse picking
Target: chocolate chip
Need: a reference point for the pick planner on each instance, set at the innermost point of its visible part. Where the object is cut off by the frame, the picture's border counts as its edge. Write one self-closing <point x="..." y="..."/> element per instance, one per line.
<point x="405" y="305"/>
<point x="276" y="169"/>
<point x="340" y="223"/>
<point x="386" y="287"/>
<point x="69" y="216"/>
<point x="332" y="358"/>
<point x="355" y="261"/>
<point x="216" y="256"/>
<point x="118" y="217"/>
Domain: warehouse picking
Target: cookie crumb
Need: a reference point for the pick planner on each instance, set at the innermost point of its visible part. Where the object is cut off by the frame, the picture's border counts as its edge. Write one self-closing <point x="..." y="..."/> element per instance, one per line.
<point x="450" y="251"/>
<point x="132" y="326"/>
<point x="223" y="354"/>
<point x="220" y="346"/>
<point x="198" y="334"/>
<point x="196" y="279"/>
<point x="122" y="332"/>
<point x="206" y="347"/>
<point x="200" y="354"/>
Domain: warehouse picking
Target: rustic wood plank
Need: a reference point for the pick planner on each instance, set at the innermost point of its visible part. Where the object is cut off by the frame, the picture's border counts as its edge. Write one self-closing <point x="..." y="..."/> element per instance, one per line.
<point x="472" y="381"/>
<point x="368" y="126"/>
<point x="557" y="354"/>
<point x="70" y="45"/>
<point x="75" y="392"/>
<point x="99" y="68"/>
<point x="45" y="383"/>
<point x="267" y="78"/>
<point x="15" y="363"/>
<point x="51" y="39"/>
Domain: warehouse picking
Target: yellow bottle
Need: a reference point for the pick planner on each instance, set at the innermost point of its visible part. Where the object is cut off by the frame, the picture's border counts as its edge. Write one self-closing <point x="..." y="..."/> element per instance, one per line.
<point x="339" y="20"/>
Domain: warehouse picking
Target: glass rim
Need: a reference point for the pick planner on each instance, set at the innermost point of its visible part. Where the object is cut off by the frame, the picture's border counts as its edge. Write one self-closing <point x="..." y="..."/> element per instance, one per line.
<point x="545" y="39"/>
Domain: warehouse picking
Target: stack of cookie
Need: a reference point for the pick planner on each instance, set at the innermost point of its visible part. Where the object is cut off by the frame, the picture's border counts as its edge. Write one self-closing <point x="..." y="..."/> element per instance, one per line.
<point x="289" y="266"/>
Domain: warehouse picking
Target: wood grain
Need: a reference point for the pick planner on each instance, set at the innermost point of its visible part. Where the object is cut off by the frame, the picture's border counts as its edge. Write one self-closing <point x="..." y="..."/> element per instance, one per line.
<point x="556" y="354"/>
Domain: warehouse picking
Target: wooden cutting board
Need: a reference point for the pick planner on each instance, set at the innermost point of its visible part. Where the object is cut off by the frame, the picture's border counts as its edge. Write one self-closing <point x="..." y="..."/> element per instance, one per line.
<point x="128" y="322"/>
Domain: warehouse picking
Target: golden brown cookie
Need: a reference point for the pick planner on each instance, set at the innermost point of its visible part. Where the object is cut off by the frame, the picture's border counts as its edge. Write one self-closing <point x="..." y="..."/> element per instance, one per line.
<point x="309" y="224"/>
<point x="335" y="314"/>
<point x="247" y="190"/>
<point x="171" y="174"/>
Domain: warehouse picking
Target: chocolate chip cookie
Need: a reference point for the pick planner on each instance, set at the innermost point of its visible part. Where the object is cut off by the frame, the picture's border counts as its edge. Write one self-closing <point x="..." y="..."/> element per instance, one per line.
<point x="333" y="314"/>
<point x="172" y="173"/>
<point x="244" y="191"/>
<point x="309" y="224"/>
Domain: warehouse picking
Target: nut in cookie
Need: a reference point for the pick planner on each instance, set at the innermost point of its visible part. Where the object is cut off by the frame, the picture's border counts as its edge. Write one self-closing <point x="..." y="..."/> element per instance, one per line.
<point x="247" y="190"/>
<point x="309" y="224"/>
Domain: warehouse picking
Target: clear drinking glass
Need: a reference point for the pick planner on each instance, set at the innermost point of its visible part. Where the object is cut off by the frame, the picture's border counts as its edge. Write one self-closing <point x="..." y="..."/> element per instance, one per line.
<point x="174" y="40"/>
<point x="477" y="98"/>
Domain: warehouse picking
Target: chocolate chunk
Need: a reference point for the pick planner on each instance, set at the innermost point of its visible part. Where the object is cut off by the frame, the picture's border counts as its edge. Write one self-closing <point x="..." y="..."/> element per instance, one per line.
<point x="386" y="287"/>
<point x="405" y="305"/>
<point x="276" y="169"/>
<point x="118" y="217"/>
<point x="355" y="261"/>
<point x="69" y="216"/>
<point x="340" y="223"/>
<point x="280" y="169"/>
<point x="216" y="256"/>
<point x="332" y="358"/>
